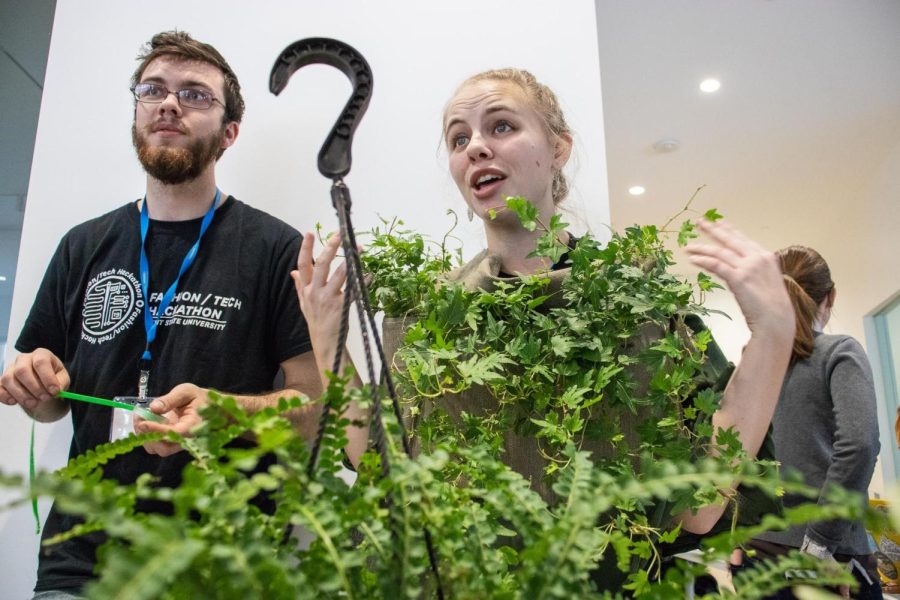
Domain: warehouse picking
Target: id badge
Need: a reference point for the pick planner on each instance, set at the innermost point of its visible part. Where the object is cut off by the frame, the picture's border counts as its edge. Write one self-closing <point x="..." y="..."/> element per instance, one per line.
<point x="123" y="420"/>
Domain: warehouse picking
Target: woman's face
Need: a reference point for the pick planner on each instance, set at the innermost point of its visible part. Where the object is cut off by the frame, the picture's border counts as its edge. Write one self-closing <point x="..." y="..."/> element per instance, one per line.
<point x="499" y="147"/>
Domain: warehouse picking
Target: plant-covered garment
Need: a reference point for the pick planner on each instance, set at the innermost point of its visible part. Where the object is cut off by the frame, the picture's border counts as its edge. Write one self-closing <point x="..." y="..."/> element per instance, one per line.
<point x="526" y="453"/>
<point x="522" y="449"/>
<point x="234" y="319"/>
<point x="826" y="427"/>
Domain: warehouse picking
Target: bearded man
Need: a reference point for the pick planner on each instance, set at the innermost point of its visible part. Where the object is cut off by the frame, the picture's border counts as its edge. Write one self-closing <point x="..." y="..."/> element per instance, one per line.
<point x="179" y="291"/>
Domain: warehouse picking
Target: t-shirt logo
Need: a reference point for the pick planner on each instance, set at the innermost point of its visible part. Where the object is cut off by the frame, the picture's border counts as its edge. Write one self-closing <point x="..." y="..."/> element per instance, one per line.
<point x="112" y="303"/>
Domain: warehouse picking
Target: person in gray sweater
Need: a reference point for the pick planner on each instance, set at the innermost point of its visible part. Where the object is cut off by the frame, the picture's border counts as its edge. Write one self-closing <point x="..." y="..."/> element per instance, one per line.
<point x="825" y="424"/>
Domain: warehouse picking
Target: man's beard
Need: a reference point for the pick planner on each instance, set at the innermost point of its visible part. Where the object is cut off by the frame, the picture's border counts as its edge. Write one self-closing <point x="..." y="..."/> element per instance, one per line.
<point x="176" y="165"/>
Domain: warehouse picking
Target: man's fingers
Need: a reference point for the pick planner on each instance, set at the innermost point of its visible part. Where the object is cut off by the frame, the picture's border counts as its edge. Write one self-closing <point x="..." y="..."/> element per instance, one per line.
<point x="5" y="397"/>
<point x="160" y="405"/>
<point x="18" y="393"/>
<point x="145" y="426"/>
<point x="178" y="424"/>
<point x="46" y="367"/>
<point x="24" y="383"/>
<point x="182" y="425"/>
<point x="63" y="378"/>
<point x="181" y="395"/>
<point x="162" y="448"/>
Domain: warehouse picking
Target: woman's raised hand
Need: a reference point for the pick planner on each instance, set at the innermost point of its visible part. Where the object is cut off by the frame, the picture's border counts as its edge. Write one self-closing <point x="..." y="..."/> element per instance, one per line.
<point x="750" y="272"/>
<point x="321" y="296"/>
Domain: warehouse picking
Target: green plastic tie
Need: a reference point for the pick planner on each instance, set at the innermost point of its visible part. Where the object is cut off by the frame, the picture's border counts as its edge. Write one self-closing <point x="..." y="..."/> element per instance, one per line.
<point x="143" y="412"/>
<point x="34" y="500"/>
<point x="93" y="400"/>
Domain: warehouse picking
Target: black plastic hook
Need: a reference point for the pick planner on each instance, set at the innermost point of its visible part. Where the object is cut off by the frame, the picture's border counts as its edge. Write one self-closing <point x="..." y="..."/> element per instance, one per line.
<point x="334" y="163"/>
<point x="334" y="157"/>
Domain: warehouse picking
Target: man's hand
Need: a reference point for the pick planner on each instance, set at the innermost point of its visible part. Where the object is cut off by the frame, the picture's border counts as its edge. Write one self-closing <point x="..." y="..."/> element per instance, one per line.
<point x="33" y="382"/>
<point x="181" y="408"/>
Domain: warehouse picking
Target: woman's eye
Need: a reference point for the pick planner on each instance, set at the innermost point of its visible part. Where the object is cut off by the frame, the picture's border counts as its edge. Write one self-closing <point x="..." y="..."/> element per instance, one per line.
<point x="460" y="140"/>
<point x="502" y="127"/>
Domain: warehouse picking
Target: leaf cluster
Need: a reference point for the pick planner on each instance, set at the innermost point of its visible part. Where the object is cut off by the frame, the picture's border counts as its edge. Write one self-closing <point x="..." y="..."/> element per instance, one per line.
<point x="606" y="351"/>
<point x="407" y="266"/>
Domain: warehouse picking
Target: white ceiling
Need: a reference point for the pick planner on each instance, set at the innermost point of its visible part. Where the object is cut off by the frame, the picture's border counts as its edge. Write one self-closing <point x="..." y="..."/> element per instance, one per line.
<point x="808" y="110"/>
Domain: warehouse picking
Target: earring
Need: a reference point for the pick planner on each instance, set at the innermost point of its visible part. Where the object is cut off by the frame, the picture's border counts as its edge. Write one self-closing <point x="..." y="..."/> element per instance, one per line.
<point x="471" y="214"/>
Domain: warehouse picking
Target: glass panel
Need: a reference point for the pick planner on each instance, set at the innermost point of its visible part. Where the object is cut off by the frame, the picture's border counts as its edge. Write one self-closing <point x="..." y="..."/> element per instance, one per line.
<point x="25" y="41"/>
<point x="883" y="328"/>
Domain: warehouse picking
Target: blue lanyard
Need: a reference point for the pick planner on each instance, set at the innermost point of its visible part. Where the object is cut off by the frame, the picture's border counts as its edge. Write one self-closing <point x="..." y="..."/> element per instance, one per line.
<point x="150" y="322"/>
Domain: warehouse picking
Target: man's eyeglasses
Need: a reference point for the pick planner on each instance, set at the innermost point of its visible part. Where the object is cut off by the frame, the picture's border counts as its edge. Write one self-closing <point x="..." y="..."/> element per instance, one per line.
<point x="153" y="93"/>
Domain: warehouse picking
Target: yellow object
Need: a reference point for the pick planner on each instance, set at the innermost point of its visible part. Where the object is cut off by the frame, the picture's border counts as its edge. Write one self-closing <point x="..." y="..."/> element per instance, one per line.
<point x="887" y="552"/>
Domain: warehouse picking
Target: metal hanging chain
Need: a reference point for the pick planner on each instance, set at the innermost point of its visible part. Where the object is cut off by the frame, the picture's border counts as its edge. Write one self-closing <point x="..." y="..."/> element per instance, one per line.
<point x="334" y="162"/>
<point x="356" y="289"/>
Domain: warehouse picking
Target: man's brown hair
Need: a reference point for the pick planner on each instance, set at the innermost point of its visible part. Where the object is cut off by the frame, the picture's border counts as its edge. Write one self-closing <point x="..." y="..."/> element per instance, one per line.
<point x="181" y="45"/>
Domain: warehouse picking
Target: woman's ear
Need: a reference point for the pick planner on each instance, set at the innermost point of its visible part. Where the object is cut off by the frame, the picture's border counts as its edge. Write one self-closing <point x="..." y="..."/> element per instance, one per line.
<point x="831" y="296"/>
<point x="562" y="150"/>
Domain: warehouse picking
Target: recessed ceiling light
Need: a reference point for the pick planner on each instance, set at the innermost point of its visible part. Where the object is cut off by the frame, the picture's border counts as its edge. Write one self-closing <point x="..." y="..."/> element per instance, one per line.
<point x="710" y="85"/>
<point x="666" y="145"/>
<point x="636" y="190"/>
<point x="2" y="277"/>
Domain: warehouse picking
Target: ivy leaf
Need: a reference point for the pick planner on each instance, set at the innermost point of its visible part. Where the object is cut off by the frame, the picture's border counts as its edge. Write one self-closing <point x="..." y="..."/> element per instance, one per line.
<point x="482" y="370"/>
<point x="638" y="582"/>
<point x="707" y="401"/>
<point x="686" y="233"/>
<point x="703" y="430"/>
<point x="527" y="212"/>
<point x="707" y="283"/>
<point x="573" y="396"/>
<point x="671" y="535"/>
<point x="702" y="340"/>
<point x="729" y="444"/>
<point x="669" y="345"/>
<point x="560" y="345"/>
<point x="712" y="215"/>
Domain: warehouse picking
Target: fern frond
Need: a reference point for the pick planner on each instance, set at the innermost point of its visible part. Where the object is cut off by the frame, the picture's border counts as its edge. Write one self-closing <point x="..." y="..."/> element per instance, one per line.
<point x="158" y="570"/>
<point x="77" y="530"/>
<point x="83" y="465"/>
<point x="794" y="569"/>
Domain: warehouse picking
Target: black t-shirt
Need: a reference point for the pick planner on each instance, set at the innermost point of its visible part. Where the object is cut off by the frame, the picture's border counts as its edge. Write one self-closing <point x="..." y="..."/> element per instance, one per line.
<point x="234" y="319"/>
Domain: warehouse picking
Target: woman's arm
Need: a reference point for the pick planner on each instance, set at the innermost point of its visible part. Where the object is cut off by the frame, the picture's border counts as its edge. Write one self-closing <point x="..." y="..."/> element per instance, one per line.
<point x="754" y="277"/>
<point x="321" y="299"/>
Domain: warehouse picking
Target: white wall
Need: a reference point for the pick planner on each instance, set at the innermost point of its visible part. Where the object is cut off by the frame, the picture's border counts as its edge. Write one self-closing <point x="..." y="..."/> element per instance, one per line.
<point x="419" y="51"/>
